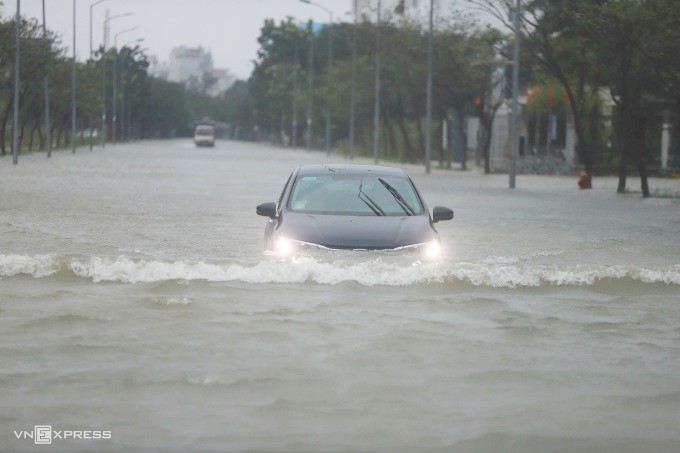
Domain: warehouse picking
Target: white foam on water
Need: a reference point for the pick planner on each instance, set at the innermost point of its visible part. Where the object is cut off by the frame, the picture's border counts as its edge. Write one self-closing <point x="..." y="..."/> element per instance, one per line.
<point x="400" y="271"/>
<point x="37" y="266"/>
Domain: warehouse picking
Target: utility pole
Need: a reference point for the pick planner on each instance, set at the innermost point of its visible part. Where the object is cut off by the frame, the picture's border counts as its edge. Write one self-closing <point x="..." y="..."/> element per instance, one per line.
<point x="352" y="96"/>
<point x="293" y="137"/>
<point x="330" y="83"/>
<point x="90" y="57"/>
<point x="330" y="65"/>
<point x="114" y="99"/>
<point x="92" y="6"/>
<point x="376" y="105"/>
<point x="515" y="93"/>
<point x="106" y="34"/>
<point x="73" y="85"/>
<point x="15" y="125"/>
<point x="310" y="84"/>
<point x="103" y="131"/>
<point x="46" y="84"/>
<point x="428" y="116"/>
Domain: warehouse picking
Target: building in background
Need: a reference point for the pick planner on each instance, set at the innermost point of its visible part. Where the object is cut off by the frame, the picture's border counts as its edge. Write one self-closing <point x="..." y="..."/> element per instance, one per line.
<point x="193" y="66"/>
<point x="189" y="64"/>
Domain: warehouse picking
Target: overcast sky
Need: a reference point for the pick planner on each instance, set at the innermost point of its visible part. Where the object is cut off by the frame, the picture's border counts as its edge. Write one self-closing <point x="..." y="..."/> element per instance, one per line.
<point x="229" y="28"/>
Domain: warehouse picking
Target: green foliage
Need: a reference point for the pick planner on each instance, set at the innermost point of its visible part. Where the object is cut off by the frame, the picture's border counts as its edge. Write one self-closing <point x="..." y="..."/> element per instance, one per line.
<point x="625" y="48"/>
<point x="463" y="65"/>
<point x="144" y="106"/>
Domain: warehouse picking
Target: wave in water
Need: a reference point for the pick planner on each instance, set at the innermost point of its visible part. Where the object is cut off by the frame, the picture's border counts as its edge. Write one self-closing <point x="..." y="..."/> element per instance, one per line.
<point x="371" y="272"/>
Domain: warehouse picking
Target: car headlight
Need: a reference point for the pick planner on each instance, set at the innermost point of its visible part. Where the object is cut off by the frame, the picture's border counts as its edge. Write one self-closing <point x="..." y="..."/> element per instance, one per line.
<point x="433" y="249"/>
<point x="284" y="246"/>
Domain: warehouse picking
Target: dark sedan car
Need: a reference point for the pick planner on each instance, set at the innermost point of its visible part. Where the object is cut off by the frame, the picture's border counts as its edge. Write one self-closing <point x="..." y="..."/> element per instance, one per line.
<point x="355" y="207"/>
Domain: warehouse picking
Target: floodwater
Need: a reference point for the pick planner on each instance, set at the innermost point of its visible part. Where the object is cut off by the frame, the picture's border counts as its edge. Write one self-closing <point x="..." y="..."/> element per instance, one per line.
<point x="135" y="298"/>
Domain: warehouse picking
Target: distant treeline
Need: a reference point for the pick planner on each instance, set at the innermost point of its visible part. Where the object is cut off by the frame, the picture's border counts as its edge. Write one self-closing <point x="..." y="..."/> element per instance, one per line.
<point x="145" y="106"/>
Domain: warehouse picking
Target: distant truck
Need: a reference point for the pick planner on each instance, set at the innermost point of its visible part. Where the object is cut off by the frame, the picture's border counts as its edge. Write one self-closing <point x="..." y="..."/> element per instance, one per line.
<point x="204" y="135"/>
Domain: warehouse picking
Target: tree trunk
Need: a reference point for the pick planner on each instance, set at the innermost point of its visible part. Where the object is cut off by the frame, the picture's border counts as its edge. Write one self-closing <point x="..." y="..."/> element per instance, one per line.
<point x="577" y="104"/>
<point x="408" y="147"/>
<point x="584" y="153"/>
<point x="67" y="132"/>
<point x="487" y="123"/>
<point x="449" y="151"/>
<point x="421" y="138"/>
<point x="42" y="138"/>
<point x="401" y="124"/>
<point x="390" y="136"/>
<point x="486" y="146"/>
<point x="623" y="169"/>
<point x="460" y="125"/>
<point x="486" y="113"/>
<point x="54" y="132"/>
<point x="642" y="169"/>
<point x="440" y="131"/>
<point x="624" y="143"/>
<point x="32" y="134"/>
<point x="60" y="130"/>
<point x="639" y="131"/>
<point x="3" y="126"/>
<point x="21" y="135"/>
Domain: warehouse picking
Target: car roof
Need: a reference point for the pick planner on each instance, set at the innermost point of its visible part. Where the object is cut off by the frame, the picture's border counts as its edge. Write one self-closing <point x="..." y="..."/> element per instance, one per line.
<point x="374" y="170"/>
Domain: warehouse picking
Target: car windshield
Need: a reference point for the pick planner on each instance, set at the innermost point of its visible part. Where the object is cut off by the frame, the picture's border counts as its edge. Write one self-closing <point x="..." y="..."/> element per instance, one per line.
<point x="204" y="131"/>
<point x="355" y="195"/>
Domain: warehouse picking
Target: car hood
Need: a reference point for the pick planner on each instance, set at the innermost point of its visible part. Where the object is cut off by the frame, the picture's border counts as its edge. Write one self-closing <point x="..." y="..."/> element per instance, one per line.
<point x="358" y="232"/>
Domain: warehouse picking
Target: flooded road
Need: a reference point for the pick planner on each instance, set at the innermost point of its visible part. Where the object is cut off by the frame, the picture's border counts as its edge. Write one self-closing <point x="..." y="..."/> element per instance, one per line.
<point x="135" y="297"/>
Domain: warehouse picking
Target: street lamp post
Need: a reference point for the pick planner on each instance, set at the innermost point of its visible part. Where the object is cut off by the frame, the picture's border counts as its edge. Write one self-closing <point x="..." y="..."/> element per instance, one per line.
<point x="46" y="86"/>
<point x="293" y="136"/>
<point x="515" y="93"/>
<point x="352" y="97"/>
<point x="90" y="57"/>
<point x="428" y="116"/>
<point x="92" y="6"/>
<point x="123" y="134"/>
<point x="376" y="105"/>
<point x="310" y="85"/>
<point x="114" y="101"/>
<point x="15" y="125"/>
<point x="330" y="66"/>
<point x="73" y="85"/>
<point x="106" y="22"/>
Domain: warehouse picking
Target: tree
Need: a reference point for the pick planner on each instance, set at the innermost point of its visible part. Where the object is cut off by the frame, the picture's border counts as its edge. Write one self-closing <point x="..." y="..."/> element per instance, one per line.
<point x="166" y="109"/>
<point x="553" y="38"/>
<point x="37" y="55"/>
<point x="629" y="46"/>
<point x="619" y="31"/>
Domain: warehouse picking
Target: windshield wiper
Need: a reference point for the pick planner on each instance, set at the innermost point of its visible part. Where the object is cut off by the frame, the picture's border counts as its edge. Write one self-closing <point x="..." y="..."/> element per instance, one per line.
<point x="397" y="196"/>
<point x="375" y="207"/>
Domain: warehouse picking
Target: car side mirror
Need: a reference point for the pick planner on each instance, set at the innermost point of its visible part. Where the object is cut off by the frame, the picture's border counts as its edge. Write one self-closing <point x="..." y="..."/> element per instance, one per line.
<point x="267" y="210"/>
<point x="441" y="213"/>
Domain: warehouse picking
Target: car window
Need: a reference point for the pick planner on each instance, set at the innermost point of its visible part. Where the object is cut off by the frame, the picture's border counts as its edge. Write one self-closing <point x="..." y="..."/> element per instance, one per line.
<point x="352" y="195"/>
